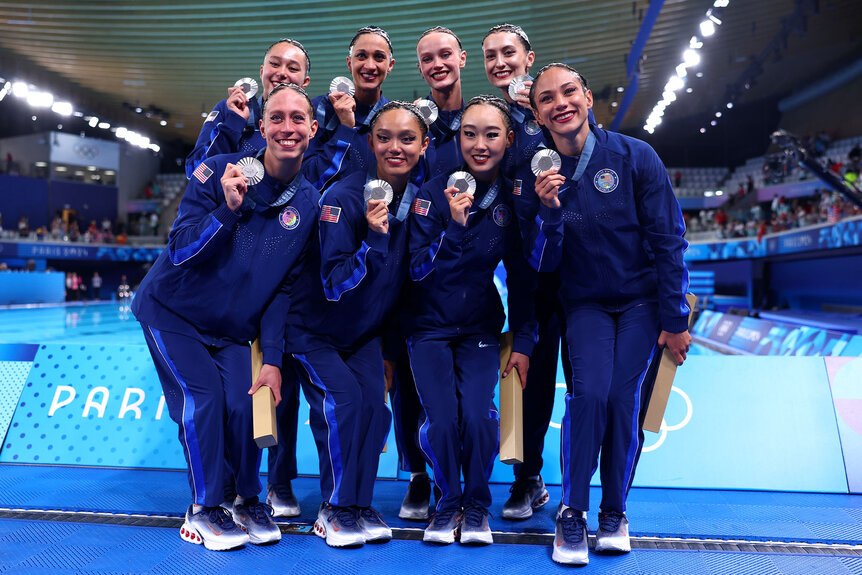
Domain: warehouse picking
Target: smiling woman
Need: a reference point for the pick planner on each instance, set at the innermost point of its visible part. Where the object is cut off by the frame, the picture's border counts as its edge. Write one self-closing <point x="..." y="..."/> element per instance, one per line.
<point x="340" y="147"/>
<point x="610" y="223"/>
<point x="350" y="285"/>
<point x="440" y="60"/>
<point x="457" y="239"/>
<point x="233" y="124"/>
<point x="214" y="289"/>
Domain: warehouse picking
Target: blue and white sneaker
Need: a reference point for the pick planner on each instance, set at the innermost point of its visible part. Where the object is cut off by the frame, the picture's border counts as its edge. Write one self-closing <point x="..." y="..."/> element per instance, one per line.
<point x="527" y="494"/>
<point x="213" y="528"/>
<point x="612" y="535"/>
<point x="474" y="525"/>
<point x="256" y="518"/>
<point x="443" y="526"/>
<point x="282" y="500"/>
<point x="373" y="527"/>
<point x="571" y="546"/>
<point x="339" y="526"/>
<point x="417" y="500"/>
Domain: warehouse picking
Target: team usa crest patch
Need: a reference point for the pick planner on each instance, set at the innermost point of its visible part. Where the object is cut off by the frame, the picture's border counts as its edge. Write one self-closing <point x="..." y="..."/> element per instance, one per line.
<point x="502" y="215"/>
<point x="203" y="173"/>
<point x="289" y="218"/>
<point x="420" y="207"/>
<point x="606" y="181"/>
<point x="532" y="127"/>
<point x="517" y="189"/>
<point x="330" y="214"/>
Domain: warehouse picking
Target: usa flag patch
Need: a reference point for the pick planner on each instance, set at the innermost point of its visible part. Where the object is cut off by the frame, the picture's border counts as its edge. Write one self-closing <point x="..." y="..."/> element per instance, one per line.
<point x="517" y="189"/>
<point x="330" y="214"/>
<point x="420" y="207"/>
<point x="203" y="173"/>
<point x="213" y="115"/>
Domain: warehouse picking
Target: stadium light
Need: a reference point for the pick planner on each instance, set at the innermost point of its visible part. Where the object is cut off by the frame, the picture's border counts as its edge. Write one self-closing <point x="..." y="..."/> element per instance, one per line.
<point x="707" y="28"/>
<point x="62" y="108"/>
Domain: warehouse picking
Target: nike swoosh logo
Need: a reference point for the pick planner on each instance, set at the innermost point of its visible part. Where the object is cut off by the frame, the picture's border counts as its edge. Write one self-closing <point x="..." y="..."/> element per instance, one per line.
<point x="483" y="344"/>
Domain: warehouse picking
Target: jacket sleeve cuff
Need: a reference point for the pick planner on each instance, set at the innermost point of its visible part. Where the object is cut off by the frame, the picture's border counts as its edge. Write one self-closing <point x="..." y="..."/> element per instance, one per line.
<point x="455" y="231"/>
<point x="550" y="216"/>
<point x="377" y="241"/>
<point x="225" y="215"/>
<point x="342" y="132"/>
<point x="272" y="355"/>
<point x="674" y="324"/>
<point x="233" y="122"/>
<point x="523" y="344"/>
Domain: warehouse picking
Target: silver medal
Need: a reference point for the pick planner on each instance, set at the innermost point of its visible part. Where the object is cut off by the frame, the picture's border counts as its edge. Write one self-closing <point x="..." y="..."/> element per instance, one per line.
<point x="343" y="85"/>
<point x="378" y="190"/>
<point x="517" y="84"/>
<point x="465" y="183"/>
<point x="428" y="109"/>
<point x="248" y="85"/>
<point x="252" y="169"/>
<point x="544" y="160"/>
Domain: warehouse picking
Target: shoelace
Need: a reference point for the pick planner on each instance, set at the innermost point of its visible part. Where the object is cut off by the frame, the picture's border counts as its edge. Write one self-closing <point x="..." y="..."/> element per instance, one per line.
<point x="260" y="512"/>
<point x="474" y="514"/>
<point x="345" y="515"/>
<point x="573" y="526"/>
<point x="609" y="522"/>
<point x="519" y="487"/>
<point x="444" y="516"/>
<point x="370" y="515"/>
<point x="220" y="516"/>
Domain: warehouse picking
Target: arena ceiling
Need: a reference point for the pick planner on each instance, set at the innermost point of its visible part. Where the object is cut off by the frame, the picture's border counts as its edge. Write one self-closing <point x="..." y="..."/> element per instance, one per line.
<point x="176" y="59"/>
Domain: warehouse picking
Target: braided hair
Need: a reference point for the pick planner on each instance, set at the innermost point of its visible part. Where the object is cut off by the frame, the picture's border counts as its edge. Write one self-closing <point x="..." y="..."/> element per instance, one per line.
<point x="495" y="102"/>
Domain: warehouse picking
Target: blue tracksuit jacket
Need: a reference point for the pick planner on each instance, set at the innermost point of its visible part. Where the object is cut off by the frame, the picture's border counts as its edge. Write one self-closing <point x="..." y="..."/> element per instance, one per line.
<point x="444" y="149"/>
<point x="225" y="277"/>
<point x="618" y="237"/>
<point x="226" y="132"/>
<point x="337" y="151"/>
<point x="347" y="295"/>
<point x="454" y="265"/>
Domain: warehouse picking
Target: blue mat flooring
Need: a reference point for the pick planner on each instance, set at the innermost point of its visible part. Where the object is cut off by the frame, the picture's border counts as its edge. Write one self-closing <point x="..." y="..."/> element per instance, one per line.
<point x="56" y="548"/>
<point x="756" y="516"/>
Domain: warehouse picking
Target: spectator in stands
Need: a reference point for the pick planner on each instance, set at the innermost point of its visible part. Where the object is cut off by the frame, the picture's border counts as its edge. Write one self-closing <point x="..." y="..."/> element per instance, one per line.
<point x="57" y="226"/>
<point x="756" y="212"/>
<point x="4" y="267"/>
<point x="749" y="184"/>
<point x="855" y="154"/>
<point x="96" y="283"/>
<point x="93" y="234"/>
<point x="677" y="178"/>
<point x="24" y="227"/>
<point x="154" y="223"/>
<point x="81" y="286"/>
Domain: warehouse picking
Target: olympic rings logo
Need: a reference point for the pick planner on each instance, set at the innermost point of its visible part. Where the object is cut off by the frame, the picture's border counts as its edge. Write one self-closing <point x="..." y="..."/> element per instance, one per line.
<point x="665" y="428"/>
<point x="87" y="151"/>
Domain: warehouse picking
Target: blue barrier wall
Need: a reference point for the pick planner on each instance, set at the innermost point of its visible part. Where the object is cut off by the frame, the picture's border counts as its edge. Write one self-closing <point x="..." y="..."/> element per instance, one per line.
<point x="90" y="201"/>
<point x="748" y="335"/>
<point x="737" y="423"/>
<point x="32" y="287"/>
<point x="21" y="196"/>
